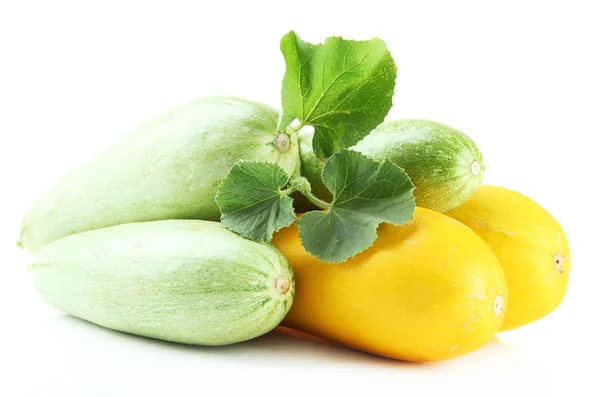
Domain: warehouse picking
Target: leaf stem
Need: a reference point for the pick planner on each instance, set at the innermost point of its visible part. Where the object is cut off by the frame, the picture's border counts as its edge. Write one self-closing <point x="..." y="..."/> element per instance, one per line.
<point x="302" y="185"/>
<point x="289" y="191"/>
<point x="317" y="201"/>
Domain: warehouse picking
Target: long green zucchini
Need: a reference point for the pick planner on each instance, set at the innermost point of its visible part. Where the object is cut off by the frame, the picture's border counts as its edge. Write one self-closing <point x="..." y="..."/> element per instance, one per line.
<point x="168" y="168"/>
<point x="186" y="281"/>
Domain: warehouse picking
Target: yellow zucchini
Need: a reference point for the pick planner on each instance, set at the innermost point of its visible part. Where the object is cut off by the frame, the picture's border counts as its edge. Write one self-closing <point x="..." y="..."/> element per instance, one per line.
<point x="531" y="246"/>
<point x="428" y="290"/>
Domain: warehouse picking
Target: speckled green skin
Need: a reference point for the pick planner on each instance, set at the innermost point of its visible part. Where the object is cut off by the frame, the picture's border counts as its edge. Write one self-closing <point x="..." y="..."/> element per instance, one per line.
<point x="168" y="168"/>
<point x="436" y="157"/>
<point x="184" y="281"/>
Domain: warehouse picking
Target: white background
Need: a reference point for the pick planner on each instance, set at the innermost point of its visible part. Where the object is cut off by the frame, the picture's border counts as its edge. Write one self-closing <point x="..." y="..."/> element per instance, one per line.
<point x="520" y="77"/>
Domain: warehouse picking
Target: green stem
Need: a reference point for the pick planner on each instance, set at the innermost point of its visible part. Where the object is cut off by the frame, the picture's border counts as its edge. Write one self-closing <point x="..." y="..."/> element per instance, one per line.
<point x="302" y="185"/>
<point x="288" y="191"/>
<point x="296" y="145"/>
<point x="296" y="172"/>
<point x="317" y="201"/>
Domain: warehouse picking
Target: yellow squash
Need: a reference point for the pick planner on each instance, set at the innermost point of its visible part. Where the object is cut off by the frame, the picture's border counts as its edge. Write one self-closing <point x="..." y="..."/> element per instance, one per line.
<point x="428" y="290"/>
<point x="531" y="246"/>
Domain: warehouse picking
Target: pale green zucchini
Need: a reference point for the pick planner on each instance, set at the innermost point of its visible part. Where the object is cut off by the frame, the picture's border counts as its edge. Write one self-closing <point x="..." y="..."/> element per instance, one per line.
<point x="443" y="163"/>
<point x="186" y="281"/>
<point x="168" y="168"/>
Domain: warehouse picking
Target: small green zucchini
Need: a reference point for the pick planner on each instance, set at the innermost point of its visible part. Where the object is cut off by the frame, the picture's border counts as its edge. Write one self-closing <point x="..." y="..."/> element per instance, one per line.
<point x="186" y="281"/>
<point x="443" y="163"/>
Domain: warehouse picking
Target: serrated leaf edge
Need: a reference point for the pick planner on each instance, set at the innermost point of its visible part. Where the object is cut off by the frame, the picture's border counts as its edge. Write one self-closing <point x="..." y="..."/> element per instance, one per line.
<point x="269" y="238"/>
<point x="381" y="163"/>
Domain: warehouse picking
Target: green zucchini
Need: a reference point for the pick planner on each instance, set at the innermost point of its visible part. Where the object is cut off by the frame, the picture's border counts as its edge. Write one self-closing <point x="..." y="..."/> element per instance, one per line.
<point x="168" y="168"/>
<point x="443" y="163"/>
<point x="186" y="281"/>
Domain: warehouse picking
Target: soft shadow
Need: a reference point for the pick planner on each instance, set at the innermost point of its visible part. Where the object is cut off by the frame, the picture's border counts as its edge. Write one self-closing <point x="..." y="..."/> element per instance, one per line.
<point x="280" y="345"/>
<point x="500" y="347"/>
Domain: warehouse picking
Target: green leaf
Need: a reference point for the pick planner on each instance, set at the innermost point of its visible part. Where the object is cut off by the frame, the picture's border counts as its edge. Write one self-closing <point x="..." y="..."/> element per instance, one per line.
<point x="365" y="193"/>
<point x="252" y="202"/>
<point x="343" y="88"/>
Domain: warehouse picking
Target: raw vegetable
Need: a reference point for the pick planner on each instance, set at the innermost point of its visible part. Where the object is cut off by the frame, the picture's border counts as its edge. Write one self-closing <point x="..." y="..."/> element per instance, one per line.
<point x="184" y="281"/>
<point x="167" y="168"/>
<point x="425" y="291"/>
<point x="531" y="246"/>
<point x="343" y="89"/>
<point x="444" y="164"/>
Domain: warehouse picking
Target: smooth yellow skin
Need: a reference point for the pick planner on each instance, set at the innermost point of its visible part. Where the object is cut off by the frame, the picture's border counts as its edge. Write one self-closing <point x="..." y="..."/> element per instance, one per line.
<point x="531" y="246"/>
<point x="424" y="291"/>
